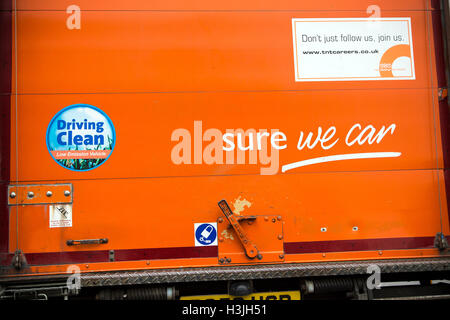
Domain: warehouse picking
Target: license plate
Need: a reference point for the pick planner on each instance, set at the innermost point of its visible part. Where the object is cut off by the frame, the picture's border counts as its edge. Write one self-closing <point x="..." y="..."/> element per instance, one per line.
<point x="277" y="295"/>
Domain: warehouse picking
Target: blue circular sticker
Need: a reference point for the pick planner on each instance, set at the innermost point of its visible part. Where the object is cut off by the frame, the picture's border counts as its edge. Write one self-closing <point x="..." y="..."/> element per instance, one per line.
<point x="206" y="234"/>
<point x="80" y="137"/>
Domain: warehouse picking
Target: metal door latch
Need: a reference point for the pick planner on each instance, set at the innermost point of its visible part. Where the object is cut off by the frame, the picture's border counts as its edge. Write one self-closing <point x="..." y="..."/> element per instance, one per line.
<point x="251" y="251"/>
<point x="86" y="241"/>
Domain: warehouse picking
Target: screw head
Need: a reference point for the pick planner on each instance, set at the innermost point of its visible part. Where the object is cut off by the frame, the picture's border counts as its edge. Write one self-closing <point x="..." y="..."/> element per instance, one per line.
<point x="49" y="193"/>
<point x="12" y="195"/>
<point x="30" y="194"/>
<point x="67" y="193"/>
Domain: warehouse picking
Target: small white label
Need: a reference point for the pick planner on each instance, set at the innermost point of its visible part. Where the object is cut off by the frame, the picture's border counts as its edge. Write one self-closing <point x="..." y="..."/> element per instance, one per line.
<point x="60" y="215"/>
<point x="353" y="49"/>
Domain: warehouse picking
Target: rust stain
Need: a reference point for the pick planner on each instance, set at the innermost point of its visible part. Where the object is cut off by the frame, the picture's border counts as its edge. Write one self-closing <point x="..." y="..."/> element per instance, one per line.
<point x="226" y="235"/>
<point x="239" y="205"/>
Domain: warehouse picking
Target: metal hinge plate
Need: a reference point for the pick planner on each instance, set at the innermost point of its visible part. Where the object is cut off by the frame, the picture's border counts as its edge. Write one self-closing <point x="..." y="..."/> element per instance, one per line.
<point x="40" y="194"/>
<point x="266" y="232"/>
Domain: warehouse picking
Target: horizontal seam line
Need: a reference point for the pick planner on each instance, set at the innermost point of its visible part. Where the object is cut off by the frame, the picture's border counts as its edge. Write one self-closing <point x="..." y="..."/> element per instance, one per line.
<point x="218" y="91"/>
<point x="230" y="175"/>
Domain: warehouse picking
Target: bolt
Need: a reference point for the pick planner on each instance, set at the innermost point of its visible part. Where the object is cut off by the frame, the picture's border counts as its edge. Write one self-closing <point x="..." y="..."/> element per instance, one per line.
<point x="12" y="195"/>
<point x="281" y="256"/>
<point x="273" y="220"/>
<point x="259" y="256"/>
<point x="380" y="252"/>
<point x="280" y="236"/>
<point x="30" y="194"/>
<point x="49" y="193"/>
<point x="221" y="260"/>
<point x="228" y="260"/>
<point x="220" y="220"/>
<point x="324" y="255"/>
<point x="67" y="193"/>
<point x="148" y="262"/>
<point x="279" y="218"/>
<point x="87" y="266"/>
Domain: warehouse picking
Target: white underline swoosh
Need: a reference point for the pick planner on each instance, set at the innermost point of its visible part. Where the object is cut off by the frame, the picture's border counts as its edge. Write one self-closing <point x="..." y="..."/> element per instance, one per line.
<point x="338" y="157"/>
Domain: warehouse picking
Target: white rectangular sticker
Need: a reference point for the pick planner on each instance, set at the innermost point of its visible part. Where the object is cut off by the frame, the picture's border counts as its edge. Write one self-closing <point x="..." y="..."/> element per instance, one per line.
<point x="343" y="49"/>
<point x="60" y="215"/>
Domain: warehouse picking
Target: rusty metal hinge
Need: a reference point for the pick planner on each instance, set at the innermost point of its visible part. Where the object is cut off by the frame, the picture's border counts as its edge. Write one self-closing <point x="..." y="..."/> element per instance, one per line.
<point x="18" y="260"/>
<point x="440" y="241"/>
<point x="442" y="93"/>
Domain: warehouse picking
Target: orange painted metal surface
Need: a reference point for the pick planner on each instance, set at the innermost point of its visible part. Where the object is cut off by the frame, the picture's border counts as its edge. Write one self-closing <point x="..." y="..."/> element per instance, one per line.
<point x="205" y="69"/>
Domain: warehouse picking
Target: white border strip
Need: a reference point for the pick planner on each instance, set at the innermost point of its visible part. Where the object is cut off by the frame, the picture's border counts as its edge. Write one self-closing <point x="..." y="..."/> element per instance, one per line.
<point x="339" y="157"/>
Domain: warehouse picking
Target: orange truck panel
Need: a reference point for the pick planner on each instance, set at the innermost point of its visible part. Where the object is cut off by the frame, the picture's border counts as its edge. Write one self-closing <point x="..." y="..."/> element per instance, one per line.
<point x="355" y="169"/>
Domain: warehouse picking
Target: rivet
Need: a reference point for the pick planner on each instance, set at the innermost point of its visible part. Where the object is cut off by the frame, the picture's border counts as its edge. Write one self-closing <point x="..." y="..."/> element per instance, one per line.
<point x="148" y="262"/>
<point x="281" y="256"/>
<point x="380" y="252"/>
<point x="30" y="194"/>
<point x="221" y="260"/>
<point x="280" y="236"/>
<point x="266" y="218"/>
<point x="355" y="228"/>
<point x="12" y="195"/>
<point x="279" y="218"/>
<point x="87" y="266"/>
<point x="220" y="220"/>
<point x="221" y="239"/>
<point x="67" y="193"/>
<point x="323" y="229"/>
<point x="49" y="193"/>
<point x="273" y="220"/>
<point x="324" y="255"/>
